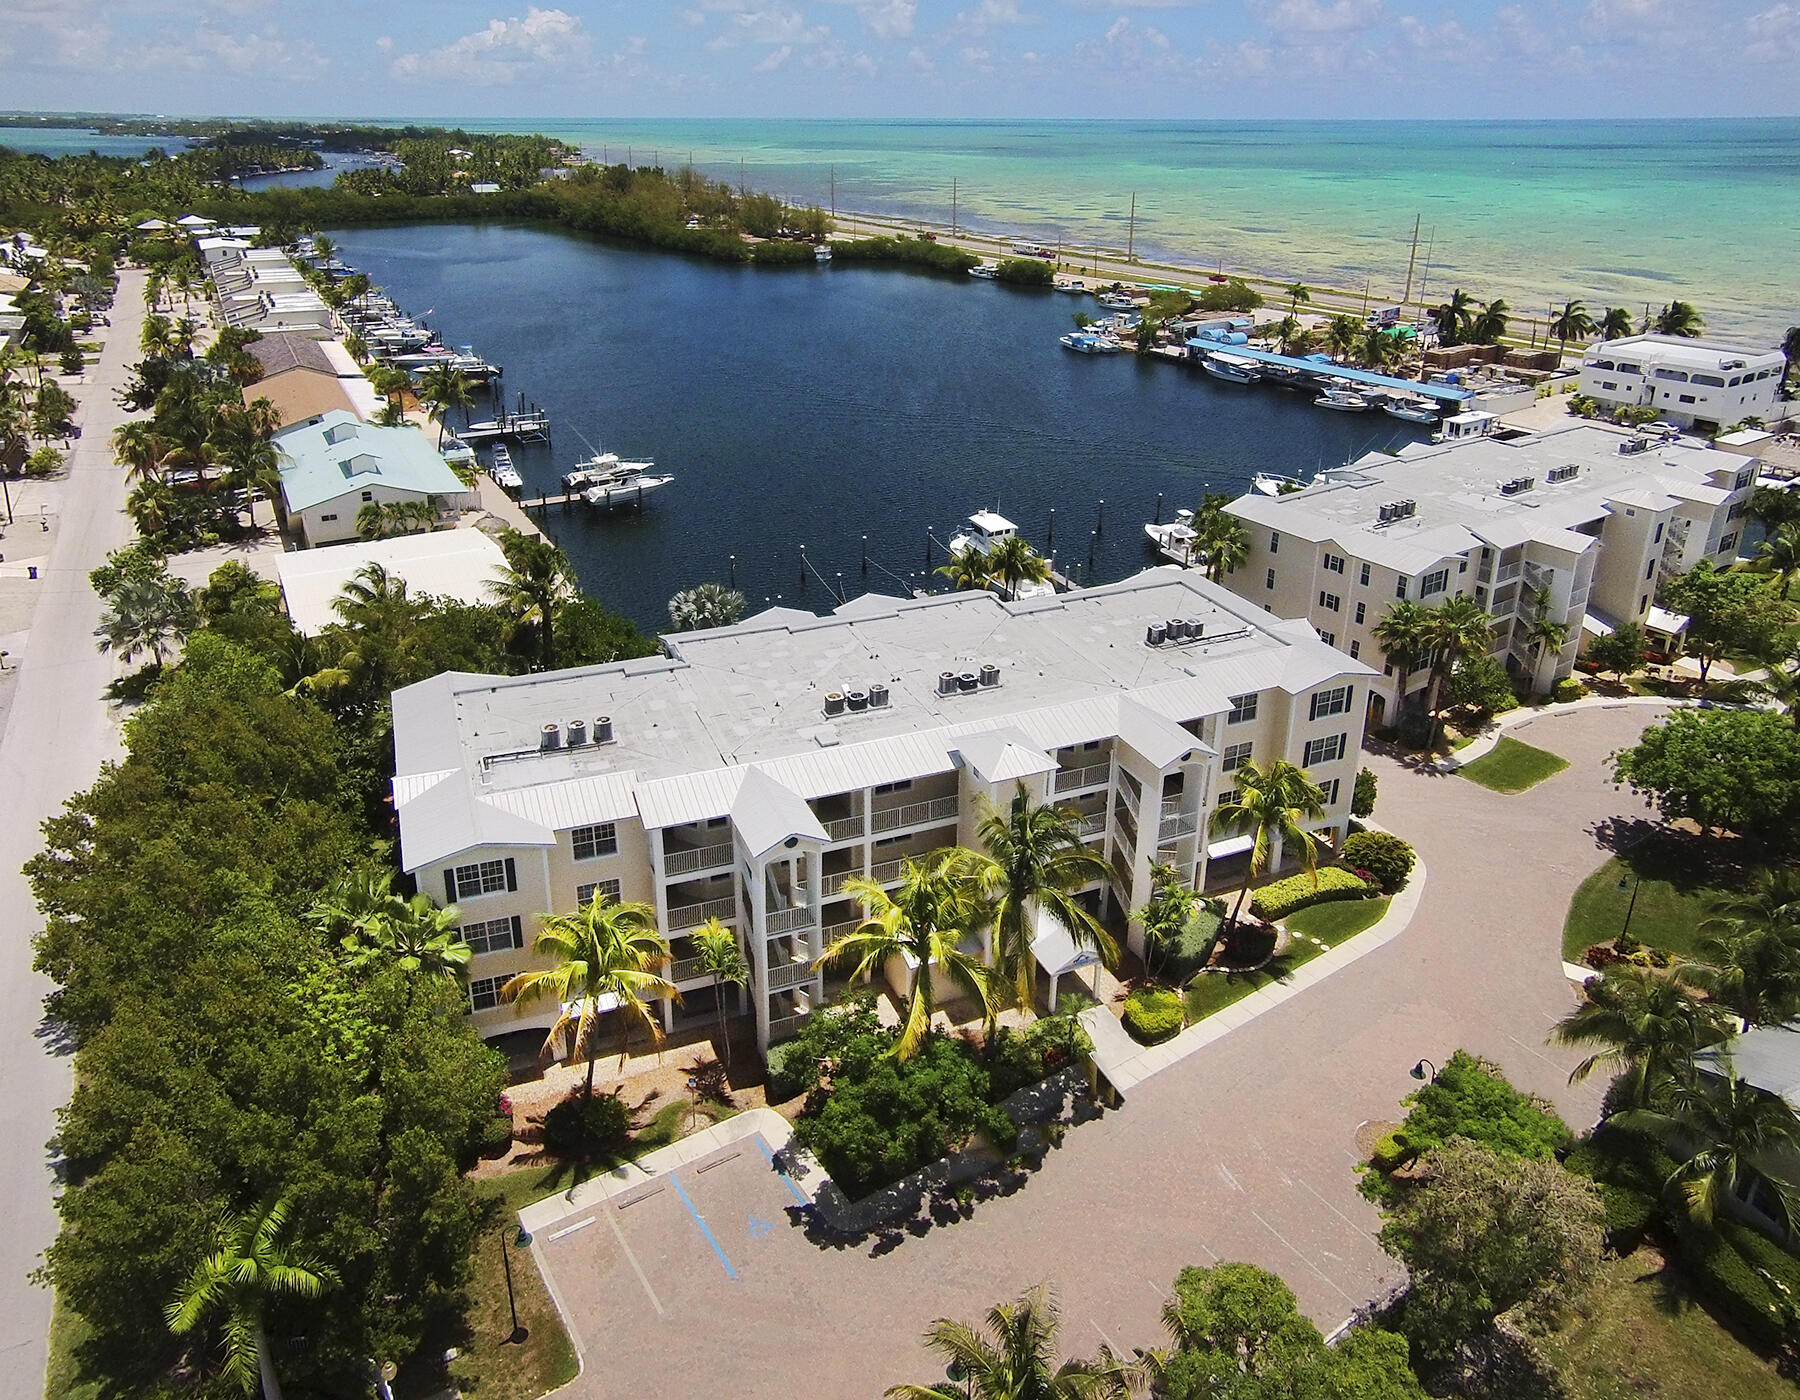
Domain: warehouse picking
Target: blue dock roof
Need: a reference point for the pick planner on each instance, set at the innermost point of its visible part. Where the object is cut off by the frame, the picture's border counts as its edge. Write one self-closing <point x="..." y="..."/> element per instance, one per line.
<point x="1443" y="393"/>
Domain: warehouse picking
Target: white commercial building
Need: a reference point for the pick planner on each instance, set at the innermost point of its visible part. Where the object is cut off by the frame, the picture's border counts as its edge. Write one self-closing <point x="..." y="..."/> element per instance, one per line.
<point x="261" y="289"/>
<point x="752" y="771"/>
<point x="1583" y="522"/>
<point x="1692" y="383"/>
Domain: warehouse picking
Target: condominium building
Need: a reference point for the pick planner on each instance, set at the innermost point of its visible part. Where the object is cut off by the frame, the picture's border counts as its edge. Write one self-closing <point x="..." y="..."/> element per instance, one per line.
<point x="1582" y="524"/>
<point x="1702" y="383"/>
<point x="753" y="770"/>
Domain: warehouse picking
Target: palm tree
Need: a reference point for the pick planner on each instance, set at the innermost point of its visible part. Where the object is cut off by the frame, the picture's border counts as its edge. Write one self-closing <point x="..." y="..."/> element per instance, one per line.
<point x="1287" y="329"/>
<point x="1402" y="636"/>
<point x="1033" y="860"/>
<point x="1014" y="1358"/>
<point x="1271" y="803"/>
<point x="705" y="605"/>
<point x="442" y="388"/>
<point x="936" y="905"/>
<point x="147" y="614"/>
<point x="533" y="583"/>
<point x="1615" y="324"/>
<point x="1343" y="334"/>
<point x="1571" y="323"/>
<point x="968" y="569"/>
<point x="1221" y="543"/>
<point x="1753" y="958"/>
<point x="722" y="959"/>
<point x="1456" y="630"/>
<point x="137" y="448"/>
<point x="416" y="936"/>
<point x="248" y="1269"/>
<point x="607" y="951"/>
<point x="1679" y="318"/>
<point x="354" y="905"/>
<point x="1013" y="563"/>
<point x="1731" y="1132"/>
<point x="1542" y="633"/>
<point x="151" y="506"/>
<point x="1453" y="318"/>
<point x="1781" y="553"/>
<point x="1377" y="348"/>
<point x="1490" y="326"/>
<point x="157" y="338"/>
<point x="1648" y="1023"/>
<point x="1298" y="292"/>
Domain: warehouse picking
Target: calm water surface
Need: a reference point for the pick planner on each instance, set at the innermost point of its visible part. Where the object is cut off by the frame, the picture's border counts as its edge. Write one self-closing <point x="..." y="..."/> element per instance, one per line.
<point x="816" y="406"/>
<point x="58" y="141"/>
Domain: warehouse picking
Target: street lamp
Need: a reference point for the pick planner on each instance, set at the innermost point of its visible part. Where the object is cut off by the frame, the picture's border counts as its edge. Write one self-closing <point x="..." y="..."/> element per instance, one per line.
<point x="1418" y="1071"/>
<point x="1637" y="879"/>
<point x="518" y="1333"/>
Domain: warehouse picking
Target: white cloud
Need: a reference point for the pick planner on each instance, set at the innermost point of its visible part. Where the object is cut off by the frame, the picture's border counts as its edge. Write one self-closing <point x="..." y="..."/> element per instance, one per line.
<point x="885" y="19"/>
<point x="920" y="60"/>
<point x="1774" y="35"/>
<point x="1310" y="17"/>
<point x="773" y="25"/>
<point x="990" y="14"/>
<point x="263" y="52"/>
<point x="1132" y="4"/>
<point x="773" y="59"/>
<point x="503" y="52"/>
<point x="1613" y="21"/>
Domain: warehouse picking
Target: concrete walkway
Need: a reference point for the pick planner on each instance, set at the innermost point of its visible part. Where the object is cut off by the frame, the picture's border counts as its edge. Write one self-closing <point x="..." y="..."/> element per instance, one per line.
<point x="1498" y="727"/>
<point x="59" y="731"/>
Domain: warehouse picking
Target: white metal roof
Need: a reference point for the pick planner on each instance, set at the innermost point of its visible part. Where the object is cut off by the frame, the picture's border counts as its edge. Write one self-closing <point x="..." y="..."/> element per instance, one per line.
<point x="766" y="815"/>
<point x="1003" y="755"/>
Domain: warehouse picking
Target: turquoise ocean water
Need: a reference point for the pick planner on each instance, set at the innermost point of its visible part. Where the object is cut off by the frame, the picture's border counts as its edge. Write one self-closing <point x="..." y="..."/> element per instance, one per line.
<point x="1612" y="212"/>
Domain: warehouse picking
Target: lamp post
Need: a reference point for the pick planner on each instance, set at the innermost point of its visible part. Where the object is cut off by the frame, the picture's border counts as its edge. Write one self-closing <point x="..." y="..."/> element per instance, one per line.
<point x="1637" y="879"/>
<point x="1418" y="1072"/>
<point x="518" y="1333"/>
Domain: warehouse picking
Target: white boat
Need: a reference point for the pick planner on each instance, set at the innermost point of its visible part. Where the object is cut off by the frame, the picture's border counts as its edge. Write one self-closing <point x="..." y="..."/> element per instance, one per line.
<point x="505" y="475"/>
<point x="1074" y="284"/>
<point x="457" y="453"/>
<point x="1118" y="301"/>
<point x="626" y="485"/>
<point x="1175" y="541"/>
<point x="822" y="253"/>
<point x="984" y="271"/>
<point x="1273" y="484"/>
<point x="1344" y="401"/>
<point x="1087" y="343"/>
<point x="601" y="467"/>
<point x="1412" y="410"/>
<point x="1235" y="369"/>
<point x="983" y="534"/>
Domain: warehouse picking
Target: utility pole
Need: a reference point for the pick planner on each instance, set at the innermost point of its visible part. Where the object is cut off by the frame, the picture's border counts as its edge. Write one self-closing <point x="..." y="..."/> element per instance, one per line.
<point x="953" y="205"/>
<point x="1131" y="232"/>
<point x="834" y="191"/>
<point x="1406" y="296"/>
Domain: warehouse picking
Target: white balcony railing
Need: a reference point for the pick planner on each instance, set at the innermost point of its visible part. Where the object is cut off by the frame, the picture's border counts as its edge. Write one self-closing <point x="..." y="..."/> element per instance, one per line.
<point x="793" y="974"/>
<point x="1075" y="779"/>
<point x="885" y="872"/>
<point x="787" y="920"/>
<point x="912" y="814"/>
<point x="784" y="1026"/>
<point x="679" y="861"/>
<point x="684" y="969"/>
<point x="686" y="916"/>
<point x="1176" y="824"/>
<point x="1091" y="825"/>
<point x="1509" y="573"/>
<point x="834" y="884"/>
<point x="833" y="932"/>
<point x="844" y="828"/>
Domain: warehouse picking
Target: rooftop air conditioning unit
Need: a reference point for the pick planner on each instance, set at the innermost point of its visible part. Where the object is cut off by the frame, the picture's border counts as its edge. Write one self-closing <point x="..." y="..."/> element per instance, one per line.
<point x="834" y="703"/>
<point x="550" y="737"/>
<point x="577" y="733"/>
<point x="878" y="696"/>
<point x="603" y="731"/>
<point x="990" y="675"/>
<point x="968" y="681"/>
<point x="946" y="682"/>
<point x="1155" y="634"/>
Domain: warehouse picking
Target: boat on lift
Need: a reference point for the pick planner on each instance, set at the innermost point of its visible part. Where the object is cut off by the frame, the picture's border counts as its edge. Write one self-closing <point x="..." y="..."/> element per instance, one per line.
<point x="1344" y="401"/>
<point x="1413" y="410"/>
<point x="625" y="484"/>
<point x="505" y="474"/>
<point x="986" y="531"/>
<point x="1234" y="369"/>
<point x="457" y="453"/>
<point x="1177" y="541"/>
<point x="602" y="466"/>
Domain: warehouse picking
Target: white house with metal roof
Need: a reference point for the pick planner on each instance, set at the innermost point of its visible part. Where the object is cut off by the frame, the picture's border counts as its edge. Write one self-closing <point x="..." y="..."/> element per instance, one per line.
<point x="1707" y="384"/>
<point x="334" y="465"/>
<point x="755" y="769"/>
<point x="1584" y="523"/>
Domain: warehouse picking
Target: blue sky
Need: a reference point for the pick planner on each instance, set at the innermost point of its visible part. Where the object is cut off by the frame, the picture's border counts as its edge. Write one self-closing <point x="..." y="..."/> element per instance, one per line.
<point x="954" y="58"/>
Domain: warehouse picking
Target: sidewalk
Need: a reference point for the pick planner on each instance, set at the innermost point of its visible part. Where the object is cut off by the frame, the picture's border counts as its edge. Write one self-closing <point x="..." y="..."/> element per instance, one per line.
<point x="1484" y="743"/>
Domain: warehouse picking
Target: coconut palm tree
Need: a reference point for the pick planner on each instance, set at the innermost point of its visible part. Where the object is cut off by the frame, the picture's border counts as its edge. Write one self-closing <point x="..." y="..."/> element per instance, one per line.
<point x="968" y="569"/>
<point x="1402" y="636"/>
<point x="722" y="959"/>
<point x="157" y="338"/>
<point x="1571" y="323"/>
<point x="1490" y="326"/>
<point x="1221" y="543"/>
<point x="442" y="388"/>
<point x="248" y="1269"/>
<point x="534" y="582"/>
<point x="936" y="905"/>
<point x="1679" y="318"/>
<point x="1753" y="949"/>
<point x="1270" y="804"/>
<point x="137" y="448"/>
<point x="1615" y="324"/>
<point x="1454" y="317"/>
<point x="1727" y="1133"/>
<point x="1780" y="553"/>
<point x="1287" y="329"/>
<point x="151" y="506"/>
<point x="147" y="614"/>
<point x="1014" y="1358"/>
<point x="1456" y="630"/>
<point x="1298" y="292"/>
<point x="1032" y="861"/>
<point x="1013" y="563"/>
<point x="1377" y="349"/>
<point x="606" y="951"/>
<point x="1343" y="334"/>
<point x="1647" y="1021"/>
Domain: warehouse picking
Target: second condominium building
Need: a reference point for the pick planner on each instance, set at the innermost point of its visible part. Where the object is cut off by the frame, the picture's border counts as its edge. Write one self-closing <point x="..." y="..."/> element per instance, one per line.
<point x="753" y="770"/>
<point x="1583" y="523"/>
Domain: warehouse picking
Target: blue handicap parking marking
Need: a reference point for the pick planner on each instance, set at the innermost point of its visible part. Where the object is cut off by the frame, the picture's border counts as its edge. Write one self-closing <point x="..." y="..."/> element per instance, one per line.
<point x="759" y="1227"/>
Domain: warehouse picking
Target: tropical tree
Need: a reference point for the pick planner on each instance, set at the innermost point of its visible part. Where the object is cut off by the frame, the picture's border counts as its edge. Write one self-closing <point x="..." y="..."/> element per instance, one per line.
<point x="1619" y="651"/>
<point x="705" y="605"/>
<point x="1780" y="554"/>
<point x="534" y="582"/>
<point x="937" y="904"/>
<point x="1271" y="804"/>
<point x="354" y="904"/>
<point x="1647" y="1023"/>
<point x="1727" y="1133"/>
<point x="967" y="569"/>
<point x="136" y="448"/>
<point x="1454" y="317"/>
<point x="248" y="1269"/>
<point x="1456" y="630"/>
<point x="606" y="951"/>
<point x="1221" y="543"/>
<point x="1013" y="563"/>
<point x="1032" y="861"/>
<point x="1287" y="330"/>
<point x="1615" y="324"/>
<point x="1014" y="1358"/>
<point x="1343" y="336"/>
<point x="1402" y="635"/>
<point x="1679" y="318"/>
<point x="1790" y="347"/>
<point x="1378" y="348"/>
<point x="154" y="614"/>
<point x="1543" y="633"/>
<point x="722" y="959"/>
<point x="1571" y="323"/>
<point x="442" y="388"/>
<point x="423" y="941"/>
<point x="1753" y="955"/>
<point x="1490" y="326"/>
<point x="1298" y="292"/>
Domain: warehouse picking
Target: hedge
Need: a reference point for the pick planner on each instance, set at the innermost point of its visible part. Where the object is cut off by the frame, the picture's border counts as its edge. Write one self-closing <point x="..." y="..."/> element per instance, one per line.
<point x="1152" y="1014"/>
<point x="1389" y="859"/>
<point x="1282" y="897"/>
<point x="1567" y="690"/>
<point x="1026" y="272"/>
<point x="792" y="1071"/>
<point x="1722" y="1272"/>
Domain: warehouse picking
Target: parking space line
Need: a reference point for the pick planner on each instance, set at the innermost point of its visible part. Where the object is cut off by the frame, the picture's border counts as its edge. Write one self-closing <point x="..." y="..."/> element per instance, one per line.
<point x="699" y="1220"/>
<point x="769" y="1156"/>
<point x="570" y="1229"/>
<point x="612" y="1219"/>
<point x="717" y="1162"/>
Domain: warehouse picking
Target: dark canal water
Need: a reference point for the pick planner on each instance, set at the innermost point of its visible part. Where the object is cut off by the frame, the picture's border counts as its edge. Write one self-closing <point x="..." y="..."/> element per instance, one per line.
<point x="821" y="405"/>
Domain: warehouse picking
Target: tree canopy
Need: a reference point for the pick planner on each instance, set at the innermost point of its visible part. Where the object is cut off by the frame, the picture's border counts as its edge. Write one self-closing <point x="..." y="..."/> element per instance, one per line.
<point x="1736" y="770"/>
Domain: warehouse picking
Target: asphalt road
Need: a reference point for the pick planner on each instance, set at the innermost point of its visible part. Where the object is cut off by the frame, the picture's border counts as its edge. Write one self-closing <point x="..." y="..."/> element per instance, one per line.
<point x="58" y="733"/>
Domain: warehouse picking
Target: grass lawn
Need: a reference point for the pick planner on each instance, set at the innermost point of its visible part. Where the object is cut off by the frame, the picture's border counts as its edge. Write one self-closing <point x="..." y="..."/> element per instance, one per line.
<point x="1331" y="924"/>
<point x="61" y="1382"/>
<point x="1512" y="767"/>
<point x="1641" y="1333"/>
<point x="1682" y="877"/>
<point x="518" y="1188"/>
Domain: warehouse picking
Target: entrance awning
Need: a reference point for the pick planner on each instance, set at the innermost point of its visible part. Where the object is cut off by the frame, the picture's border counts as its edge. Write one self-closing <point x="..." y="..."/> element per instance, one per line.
<point x="1671" y="624"/>
<point x="1230" y="846"/>
<point x="1055" y="950"/>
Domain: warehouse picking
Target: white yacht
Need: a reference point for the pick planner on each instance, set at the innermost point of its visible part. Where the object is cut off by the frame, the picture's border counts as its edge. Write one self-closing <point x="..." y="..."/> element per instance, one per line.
<point x="1344" y="401"/>
<point x="602" y="466"/>
<point x="1087" y="343"/>
<point x="983" y="534"/>
<point x="1176" y="540"/>
<point x="1413" y="410"/>
<point x="982" y="270"/>
<point x="1235" y="369"/>
<point x="1274" y="484"/>
<point x="500" y="467"/>
<point x="822" y="253"/>
<point x="626" y="484"/>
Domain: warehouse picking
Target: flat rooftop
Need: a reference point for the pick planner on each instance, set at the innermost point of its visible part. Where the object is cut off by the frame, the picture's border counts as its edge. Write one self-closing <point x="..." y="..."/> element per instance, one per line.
<point x="1458" y="501"/>
<point x="460" y="564"/>
<point x="755" y="692"/>
<point x="1684" y="351"/>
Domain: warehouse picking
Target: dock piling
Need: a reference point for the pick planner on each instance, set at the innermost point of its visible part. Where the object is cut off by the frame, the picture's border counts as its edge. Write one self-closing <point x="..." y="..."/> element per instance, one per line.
<point x="803" y="568"/>
<point x="1100" y="520"/>
<point x="1050" y="534"/>
<point x="865" y="556"/>
<point x="733" y="574"/>
<point x="1159" y="496"/>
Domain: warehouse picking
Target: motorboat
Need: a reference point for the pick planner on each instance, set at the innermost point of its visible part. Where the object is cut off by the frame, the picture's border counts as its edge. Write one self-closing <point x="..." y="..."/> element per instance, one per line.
<point x="822" y="253"/>
<point x="985" y="533"/>
<point x="626" y="484"/>
<point x="1344" y="401"/>
<point x="505" y="474"/>
<point x="601" y="467"/>
<point x="1175" y="541"/>
<point x="982" y="270"/>
<point x="457" y="453"/>
<point x="1412" y="410"/>
<point x="1074" y="284"/>
<point x="1234" y="369"/>
<point x="1087" y="343"/>
<point x="1274" y="484"/>
<point x="1118" y="301"/>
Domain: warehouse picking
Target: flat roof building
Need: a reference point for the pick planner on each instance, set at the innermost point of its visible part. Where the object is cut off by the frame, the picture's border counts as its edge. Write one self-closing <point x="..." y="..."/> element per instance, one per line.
<point x="458" y="564"/>
<point x="752" y="771"/>
<point x="1706" y="384"/>
<point x="1582" y="523"/>
<point x="334" y="465"/>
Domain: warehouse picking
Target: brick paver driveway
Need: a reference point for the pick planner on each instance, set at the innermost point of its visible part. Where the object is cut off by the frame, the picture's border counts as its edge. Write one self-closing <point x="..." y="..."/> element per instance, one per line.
<point x="1244" y="1151"/>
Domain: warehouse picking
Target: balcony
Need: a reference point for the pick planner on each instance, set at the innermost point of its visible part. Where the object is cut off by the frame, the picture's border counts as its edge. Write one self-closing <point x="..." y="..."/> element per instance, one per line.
<point x="1509" y="573"/>
<point x="843" y="828"/>
<point x="686" y="916"/>
<point x="1094" y="824"/>
<point x="885" y="872"/>
<point x="1078" y="779"/>
<point x="787" y="920"/>
<point x="782" y="976"/>
<point x="830" y="885"/>
<point x="833" y="932"/>
<point x="1176" y="823"/>
<point x="784" y="1026"/>
<point x="679" y="861"/>
<point x="685" y="969"/>
<point x="939" y="809"/>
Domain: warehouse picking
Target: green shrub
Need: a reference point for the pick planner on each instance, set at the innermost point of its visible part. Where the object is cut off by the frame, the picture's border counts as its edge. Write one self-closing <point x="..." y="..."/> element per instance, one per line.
<point x="1392" y="1151"/>
<point x="580" y="1124"/>
<point x="1568" y="689"/>
<point x="782" y="253"/>
<point x="792" y="1071"/>
<point x="1385" y="856"/>
<point x="1721" y="1272"/>
<point x="917" y="252"/>
<point x="1362" y="801"/>
<point x="1762" y="1252"/>
<point x="1630" y="1208"/>
<point x="1016" y="1059"/>
<point x="1234" y="295"/>
<point x="496" y="1136"/>
<point x="1026" y="272"/>
<point x="1282" y="897"/>
<point x="1152" y="1014"/>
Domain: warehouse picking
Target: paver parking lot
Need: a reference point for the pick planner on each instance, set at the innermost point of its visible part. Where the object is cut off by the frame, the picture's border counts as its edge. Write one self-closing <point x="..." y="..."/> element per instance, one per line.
<point x="1245" y="1150"/>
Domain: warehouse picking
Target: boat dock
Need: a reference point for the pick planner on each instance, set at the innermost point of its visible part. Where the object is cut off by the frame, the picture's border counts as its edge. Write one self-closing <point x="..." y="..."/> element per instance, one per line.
<point x="527" y="425"/>
<point x="1449" y="396"/>
<point x="567" y="499"/>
